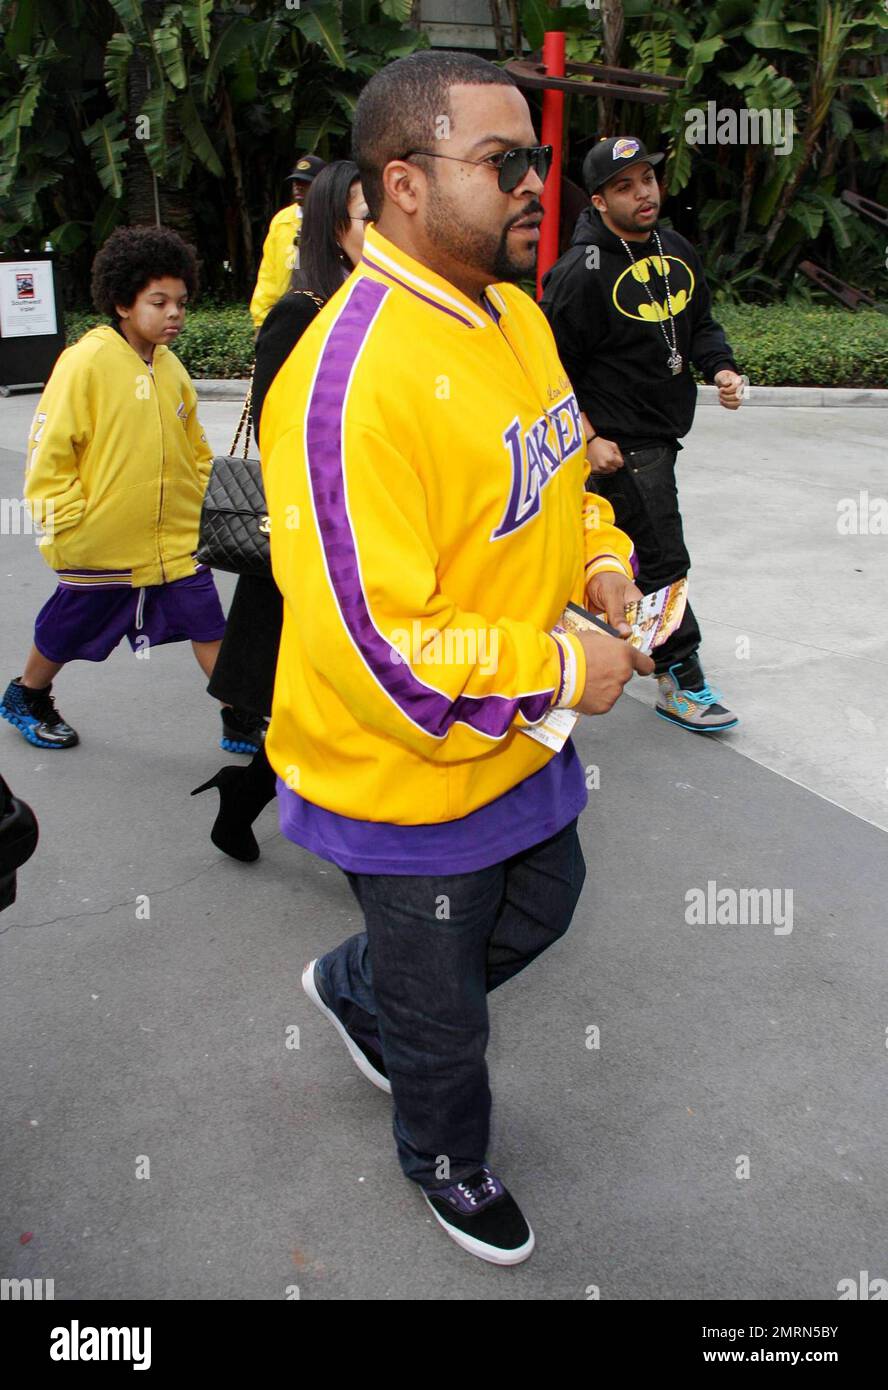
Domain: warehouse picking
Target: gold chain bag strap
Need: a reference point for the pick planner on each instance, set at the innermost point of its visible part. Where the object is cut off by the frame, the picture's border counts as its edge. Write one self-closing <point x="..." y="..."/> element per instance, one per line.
<point x="245" y="419"/>
<point x="234" y="525"/>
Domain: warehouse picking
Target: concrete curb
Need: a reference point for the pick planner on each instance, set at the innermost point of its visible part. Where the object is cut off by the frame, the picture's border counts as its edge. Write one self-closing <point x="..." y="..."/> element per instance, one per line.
<point x="834" y="396"/>
<point x="235" y="389"/>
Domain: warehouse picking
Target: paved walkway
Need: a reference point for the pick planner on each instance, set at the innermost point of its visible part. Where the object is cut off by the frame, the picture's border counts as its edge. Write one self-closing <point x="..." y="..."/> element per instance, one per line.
<point x="124" y="1037"/>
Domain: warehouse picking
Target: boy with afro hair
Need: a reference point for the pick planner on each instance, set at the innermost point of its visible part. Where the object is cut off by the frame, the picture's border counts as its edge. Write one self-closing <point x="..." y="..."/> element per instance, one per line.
<point x="116" y="471"/>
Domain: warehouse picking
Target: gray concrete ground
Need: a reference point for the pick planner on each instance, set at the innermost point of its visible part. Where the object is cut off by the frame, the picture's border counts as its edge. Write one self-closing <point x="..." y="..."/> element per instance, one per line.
<point x="272" y="1167"/>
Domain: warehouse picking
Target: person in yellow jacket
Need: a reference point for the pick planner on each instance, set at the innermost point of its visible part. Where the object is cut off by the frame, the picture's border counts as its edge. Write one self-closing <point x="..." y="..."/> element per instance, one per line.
<point x="280" y="251"/>
<point x="116" y="471"/>
<point x="424" y="459"/>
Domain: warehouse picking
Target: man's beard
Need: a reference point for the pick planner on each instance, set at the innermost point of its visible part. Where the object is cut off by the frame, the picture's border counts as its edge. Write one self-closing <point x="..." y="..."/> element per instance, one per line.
<point x="627" y="224"/>
<point x="471" y="245"/>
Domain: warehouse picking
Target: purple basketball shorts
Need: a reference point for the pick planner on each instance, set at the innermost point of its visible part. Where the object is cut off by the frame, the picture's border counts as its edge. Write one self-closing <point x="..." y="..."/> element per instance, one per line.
<point x="86" y="624"/>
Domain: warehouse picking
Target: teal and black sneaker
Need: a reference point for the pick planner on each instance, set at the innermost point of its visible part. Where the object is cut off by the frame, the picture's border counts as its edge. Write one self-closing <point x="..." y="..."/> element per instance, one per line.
<point x="34" y="714"/>
<point x="687" y="699"/>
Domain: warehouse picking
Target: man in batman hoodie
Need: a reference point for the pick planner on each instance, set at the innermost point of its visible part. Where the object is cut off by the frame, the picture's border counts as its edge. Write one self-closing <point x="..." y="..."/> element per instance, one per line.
<point x="630" y="310"/>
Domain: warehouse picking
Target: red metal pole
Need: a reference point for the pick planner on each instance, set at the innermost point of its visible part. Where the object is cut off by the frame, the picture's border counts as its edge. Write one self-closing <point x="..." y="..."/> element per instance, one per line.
<point x="553" y="134"/>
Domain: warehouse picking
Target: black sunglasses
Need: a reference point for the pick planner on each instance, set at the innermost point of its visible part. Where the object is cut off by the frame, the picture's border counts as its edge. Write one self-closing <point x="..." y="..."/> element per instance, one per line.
<point x="512" y="166"/>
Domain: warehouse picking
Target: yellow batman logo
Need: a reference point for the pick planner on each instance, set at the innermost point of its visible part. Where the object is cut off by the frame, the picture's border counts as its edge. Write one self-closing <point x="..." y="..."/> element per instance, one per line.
<point x="642" y="269"/>
<point x="630" y="293"/>
<point x="660" y="308"/>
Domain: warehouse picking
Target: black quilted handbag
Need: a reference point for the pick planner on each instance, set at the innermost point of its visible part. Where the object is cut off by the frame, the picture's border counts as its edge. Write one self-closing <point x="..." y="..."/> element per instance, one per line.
<point x="234" y="527"/>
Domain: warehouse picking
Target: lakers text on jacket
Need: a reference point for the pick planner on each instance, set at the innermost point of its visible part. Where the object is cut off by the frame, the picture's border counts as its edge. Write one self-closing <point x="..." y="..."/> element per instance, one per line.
<point x="424" y="464"/>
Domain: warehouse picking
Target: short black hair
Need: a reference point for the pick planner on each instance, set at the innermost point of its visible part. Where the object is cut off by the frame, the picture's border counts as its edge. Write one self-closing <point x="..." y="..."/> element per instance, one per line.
<point x="134" y="256"/>
<point x="398" y="108"/>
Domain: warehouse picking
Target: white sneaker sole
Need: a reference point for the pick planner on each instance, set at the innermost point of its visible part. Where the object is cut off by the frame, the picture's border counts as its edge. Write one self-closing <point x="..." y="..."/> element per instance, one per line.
<point x="490" y="1253"/>
<point x="357" y="1056"/>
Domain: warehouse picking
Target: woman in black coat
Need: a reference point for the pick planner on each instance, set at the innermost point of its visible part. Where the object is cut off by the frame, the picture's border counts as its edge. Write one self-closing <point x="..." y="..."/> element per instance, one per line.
<point x="330" y="243"/>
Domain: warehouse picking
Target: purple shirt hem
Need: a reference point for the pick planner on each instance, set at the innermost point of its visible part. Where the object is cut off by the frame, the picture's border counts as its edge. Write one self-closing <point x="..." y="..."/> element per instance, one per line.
<point x="527" y="814"/>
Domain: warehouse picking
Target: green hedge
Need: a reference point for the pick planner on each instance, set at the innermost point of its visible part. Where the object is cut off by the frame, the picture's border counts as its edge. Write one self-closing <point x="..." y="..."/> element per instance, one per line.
<point x="776" y="345"/>
<point x="213" y="343"/>
<point x="779" y="345"/>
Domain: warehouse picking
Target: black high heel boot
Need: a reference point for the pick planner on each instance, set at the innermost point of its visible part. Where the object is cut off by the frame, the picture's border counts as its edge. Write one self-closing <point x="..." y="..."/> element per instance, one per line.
<point x="243" y="793"/>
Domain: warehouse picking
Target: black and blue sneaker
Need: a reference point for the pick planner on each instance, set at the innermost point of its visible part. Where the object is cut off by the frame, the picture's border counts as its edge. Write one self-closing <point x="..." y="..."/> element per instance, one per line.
<point x="482" y="1216"/>
<point x="34" y="714"/>
<point x="242" y="731"/>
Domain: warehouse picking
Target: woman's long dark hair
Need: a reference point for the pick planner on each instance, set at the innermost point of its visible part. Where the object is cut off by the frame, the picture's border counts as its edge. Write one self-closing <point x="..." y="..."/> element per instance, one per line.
<point x="323" y="265"/>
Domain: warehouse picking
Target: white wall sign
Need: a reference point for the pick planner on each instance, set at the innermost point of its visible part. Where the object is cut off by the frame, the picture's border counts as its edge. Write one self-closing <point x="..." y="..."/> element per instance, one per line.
<point x="27" y="299"/>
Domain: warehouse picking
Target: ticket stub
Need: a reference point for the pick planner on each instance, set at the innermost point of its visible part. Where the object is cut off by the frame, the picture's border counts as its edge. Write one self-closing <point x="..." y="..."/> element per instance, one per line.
<point x="656" y="616"/>
<point x="555" y="729"/>
<point x="652" y="619"/>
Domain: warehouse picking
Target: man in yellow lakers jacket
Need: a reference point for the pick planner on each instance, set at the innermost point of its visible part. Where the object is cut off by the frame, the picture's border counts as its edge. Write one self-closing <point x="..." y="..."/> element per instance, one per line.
<point x="280" y="251"/>
<point x="424" y="457"/>
<point x="116" y="472"/>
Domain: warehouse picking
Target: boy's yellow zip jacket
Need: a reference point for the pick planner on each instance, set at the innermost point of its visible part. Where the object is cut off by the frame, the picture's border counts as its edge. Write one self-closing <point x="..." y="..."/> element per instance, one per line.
<point x="117" y="464"/>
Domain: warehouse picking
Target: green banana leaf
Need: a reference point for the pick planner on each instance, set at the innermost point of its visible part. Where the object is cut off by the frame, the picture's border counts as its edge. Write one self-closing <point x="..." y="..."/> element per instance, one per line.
<point x="235" y="37"/>
<point x="118" y="51"/>
<point x="197" y="20"/>
<point x="196" y="135"/>
<point x="107" y="145"/>
<point x="168" y="44"/>
<point x="321" y="25"/>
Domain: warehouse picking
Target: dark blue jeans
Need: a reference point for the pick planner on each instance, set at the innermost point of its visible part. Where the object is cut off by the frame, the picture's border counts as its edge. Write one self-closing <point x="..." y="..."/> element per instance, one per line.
<point x="644" y="497"/>
<point x="414" y="987"/>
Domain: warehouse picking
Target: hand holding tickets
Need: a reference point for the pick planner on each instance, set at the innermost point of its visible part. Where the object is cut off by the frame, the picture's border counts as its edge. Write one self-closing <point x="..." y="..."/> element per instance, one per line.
<point x="655" y="617"/>
<point x="652" y="619"/>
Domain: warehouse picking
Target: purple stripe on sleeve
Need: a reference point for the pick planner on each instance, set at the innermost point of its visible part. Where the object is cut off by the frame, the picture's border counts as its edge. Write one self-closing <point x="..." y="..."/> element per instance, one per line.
<point x="431" y="711"/>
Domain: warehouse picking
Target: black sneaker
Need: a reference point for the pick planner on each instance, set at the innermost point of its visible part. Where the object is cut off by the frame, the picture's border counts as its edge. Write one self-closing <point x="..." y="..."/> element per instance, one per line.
<point x="483" y="1217"/>
<point x="242" y="731"/>
<point x="34" y="714"/>
<point x="368" y="1062"/>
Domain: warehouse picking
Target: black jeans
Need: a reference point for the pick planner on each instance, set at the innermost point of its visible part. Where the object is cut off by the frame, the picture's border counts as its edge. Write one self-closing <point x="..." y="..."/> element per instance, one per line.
<point x="414" y="987"/>
<point x="644" y="497"/>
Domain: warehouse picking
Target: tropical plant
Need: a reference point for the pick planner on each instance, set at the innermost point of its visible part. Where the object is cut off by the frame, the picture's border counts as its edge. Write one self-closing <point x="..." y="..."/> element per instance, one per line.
<point x="189" y="111"/>
<point x="822" y="61"/>
<point x="186" y="113"/>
